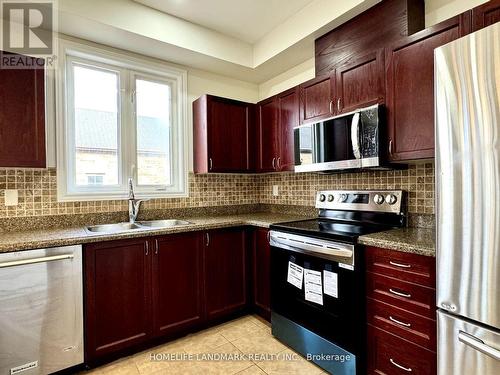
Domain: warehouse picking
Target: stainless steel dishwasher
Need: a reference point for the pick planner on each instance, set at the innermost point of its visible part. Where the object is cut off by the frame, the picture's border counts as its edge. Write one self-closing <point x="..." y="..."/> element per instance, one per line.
<point x="41" y="310"/>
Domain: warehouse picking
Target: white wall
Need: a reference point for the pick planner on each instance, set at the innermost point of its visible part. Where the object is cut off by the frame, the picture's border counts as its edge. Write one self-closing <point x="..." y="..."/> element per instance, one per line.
<point x="435" y="11"/>
<point x="440" y="10"/>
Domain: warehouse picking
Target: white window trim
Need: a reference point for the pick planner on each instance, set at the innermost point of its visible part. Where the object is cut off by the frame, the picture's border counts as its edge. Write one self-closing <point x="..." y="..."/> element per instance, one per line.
<point x="110" y="59"/>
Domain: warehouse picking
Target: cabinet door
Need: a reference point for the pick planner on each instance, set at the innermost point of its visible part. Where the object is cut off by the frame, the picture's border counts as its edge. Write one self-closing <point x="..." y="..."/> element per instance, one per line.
<point x="485" y="15"/>
<point x="410" y="89"/>
<point x="224" y="268"/>
<point x="261" y="262"/>
<point x="288" y="105"/>
<point x="22" y="117"/>
<point x="117" y="296"/>
<point x="316" y="98"/>
<point x="177" y="282"/>
<point x="360" y="83"/>
<point x="229" y="135"/>
<point x="268" y="135"/>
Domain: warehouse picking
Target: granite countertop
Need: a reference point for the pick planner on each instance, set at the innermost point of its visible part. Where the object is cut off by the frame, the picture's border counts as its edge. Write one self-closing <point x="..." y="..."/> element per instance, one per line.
<point x="38" y="239"/>
<point x="421" y="241"/>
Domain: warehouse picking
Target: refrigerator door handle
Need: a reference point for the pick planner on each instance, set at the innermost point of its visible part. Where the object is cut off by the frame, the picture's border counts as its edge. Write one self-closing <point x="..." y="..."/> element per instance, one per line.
<point x="478" y="344"/>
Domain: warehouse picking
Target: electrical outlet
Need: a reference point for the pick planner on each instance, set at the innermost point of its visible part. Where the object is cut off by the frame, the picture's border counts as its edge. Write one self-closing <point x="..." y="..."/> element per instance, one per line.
<point x="11" y="197"/>
<point x="276" y="190"/>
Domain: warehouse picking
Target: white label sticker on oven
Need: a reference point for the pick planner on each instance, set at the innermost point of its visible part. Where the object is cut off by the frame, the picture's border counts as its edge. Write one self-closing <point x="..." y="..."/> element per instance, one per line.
<point x="313" y="287"/>
<point x="295" y="275"/>
<point x="346" y="266"/>
<point x="330" y="282"/>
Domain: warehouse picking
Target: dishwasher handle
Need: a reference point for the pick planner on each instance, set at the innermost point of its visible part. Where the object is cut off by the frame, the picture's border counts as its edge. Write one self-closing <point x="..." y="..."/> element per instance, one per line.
<point x="51" y="258"/>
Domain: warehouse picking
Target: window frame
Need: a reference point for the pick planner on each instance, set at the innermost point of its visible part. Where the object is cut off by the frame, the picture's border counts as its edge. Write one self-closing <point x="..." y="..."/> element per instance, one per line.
<point x="129" y="69"/>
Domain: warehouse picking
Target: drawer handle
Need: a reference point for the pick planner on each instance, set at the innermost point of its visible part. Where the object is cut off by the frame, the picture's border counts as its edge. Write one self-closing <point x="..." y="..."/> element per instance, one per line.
<point x="400" y="265"/>
<point x="407" y="369"/>
<point x="401" y="294"/>
<point x="399" y="322"/>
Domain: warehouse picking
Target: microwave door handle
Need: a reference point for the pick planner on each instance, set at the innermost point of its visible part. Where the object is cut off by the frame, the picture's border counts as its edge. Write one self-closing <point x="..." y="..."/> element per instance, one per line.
<point x="355" y="135"/>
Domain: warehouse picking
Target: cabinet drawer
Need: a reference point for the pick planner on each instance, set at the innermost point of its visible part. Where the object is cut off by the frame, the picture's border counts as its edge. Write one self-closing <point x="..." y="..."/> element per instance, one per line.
<point x="414" y="268"/>
<point x="413" y="327"/>
<point x="391" y="355"/>
<point x="415" y="298"/>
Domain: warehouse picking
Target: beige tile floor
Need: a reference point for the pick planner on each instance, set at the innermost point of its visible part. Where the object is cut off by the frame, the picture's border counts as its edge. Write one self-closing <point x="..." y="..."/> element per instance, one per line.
<point x="242" y="346"/>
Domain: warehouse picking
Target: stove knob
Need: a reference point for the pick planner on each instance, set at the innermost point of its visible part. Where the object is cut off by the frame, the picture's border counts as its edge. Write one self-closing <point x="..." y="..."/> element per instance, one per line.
<point x="322" y="197"/>
<point x="378" y="199"/>
<point x="391" y="199"/>
<point x="330" y="198"/>
<point x="343" y="198"/>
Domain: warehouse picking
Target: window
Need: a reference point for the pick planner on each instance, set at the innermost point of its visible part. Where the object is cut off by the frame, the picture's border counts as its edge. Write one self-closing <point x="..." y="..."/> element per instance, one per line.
<point x="119" y="117"/>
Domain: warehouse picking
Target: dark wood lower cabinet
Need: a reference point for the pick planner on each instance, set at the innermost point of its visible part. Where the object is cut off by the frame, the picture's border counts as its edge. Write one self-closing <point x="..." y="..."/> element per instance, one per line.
<point x="225" y="272"/>
<point x="391" y="355"/>
<point x="401" y="313"/>
<point x="177" y="282"/>
<point x="117" y="296"/>
<point x="261" y="273"/>
<point x="141" y="291"/>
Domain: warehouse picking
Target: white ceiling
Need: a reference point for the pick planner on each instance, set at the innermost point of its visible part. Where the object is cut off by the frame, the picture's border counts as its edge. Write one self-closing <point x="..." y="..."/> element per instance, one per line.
<point x="246" y="20"/>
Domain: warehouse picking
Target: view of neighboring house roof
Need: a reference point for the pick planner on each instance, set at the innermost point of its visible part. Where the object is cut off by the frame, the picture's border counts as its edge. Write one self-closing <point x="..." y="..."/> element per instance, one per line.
<point x="97" y="130"/>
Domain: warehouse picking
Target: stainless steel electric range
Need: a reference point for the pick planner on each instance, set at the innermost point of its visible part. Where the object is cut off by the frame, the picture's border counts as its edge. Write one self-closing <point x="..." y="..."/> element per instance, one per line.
<point x="317" y="276"/>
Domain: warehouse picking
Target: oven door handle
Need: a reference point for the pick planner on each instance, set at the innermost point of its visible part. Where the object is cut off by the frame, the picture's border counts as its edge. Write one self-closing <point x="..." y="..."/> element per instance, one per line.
<point x="309" y="248"/>
<point x="356" y="148"/>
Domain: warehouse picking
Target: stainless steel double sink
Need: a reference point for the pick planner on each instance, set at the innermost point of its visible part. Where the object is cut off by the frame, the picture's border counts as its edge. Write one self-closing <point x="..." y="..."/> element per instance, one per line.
<point x="137" y="226"/>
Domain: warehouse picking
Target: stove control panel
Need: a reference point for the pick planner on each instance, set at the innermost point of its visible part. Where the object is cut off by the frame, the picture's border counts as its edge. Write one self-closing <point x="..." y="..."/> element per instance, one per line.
<point x="379" y="201"/>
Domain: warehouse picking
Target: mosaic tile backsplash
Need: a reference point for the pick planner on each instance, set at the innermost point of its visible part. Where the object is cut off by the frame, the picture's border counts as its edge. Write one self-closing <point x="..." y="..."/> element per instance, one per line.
<point x="38" y="190"/>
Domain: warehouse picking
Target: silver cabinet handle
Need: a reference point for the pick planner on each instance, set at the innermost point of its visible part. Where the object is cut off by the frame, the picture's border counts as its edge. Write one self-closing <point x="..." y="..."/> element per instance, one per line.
<point x="274" y="163"/>
<point x="401" y="294"/>
<point x="23" y="262"/>
<point x="338" y="105"/>
<point x="390" y="146"/>
<point x="407" y="369"/>
<point x="400" y="265"/>
<point x="207" y="236"/>
<point x="478" y="344"/>
<point x="147" y="248"/>
<point x="156" y="247"/>
<point x="399" y="322"/>
<point x="331" y="106"/>
<point x="278" y="163"/>
<point x="269" y="236"/>
<point x="210" y="164"/>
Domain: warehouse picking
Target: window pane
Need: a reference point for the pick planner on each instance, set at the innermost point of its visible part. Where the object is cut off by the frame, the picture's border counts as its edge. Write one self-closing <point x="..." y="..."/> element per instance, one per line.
<point x="153" y="132"/>
<point x="96" y="126"/>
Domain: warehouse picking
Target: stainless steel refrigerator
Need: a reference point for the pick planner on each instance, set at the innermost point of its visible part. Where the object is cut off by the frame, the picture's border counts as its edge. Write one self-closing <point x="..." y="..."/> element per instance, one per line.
<point x="467" y="88"/>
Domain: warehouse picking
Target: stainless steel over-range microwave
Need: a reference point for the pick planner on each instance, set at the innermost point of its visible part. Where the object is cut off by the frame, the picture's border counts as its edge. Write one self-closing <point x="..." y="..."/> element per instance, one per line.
<point x="348" y="141"/>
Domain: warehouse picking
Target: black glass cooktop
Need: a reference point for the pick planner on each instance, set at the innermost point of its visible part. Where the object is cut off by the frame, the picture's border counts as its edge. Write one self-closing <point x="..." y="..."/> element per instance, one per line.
<point x="327" y="228"/>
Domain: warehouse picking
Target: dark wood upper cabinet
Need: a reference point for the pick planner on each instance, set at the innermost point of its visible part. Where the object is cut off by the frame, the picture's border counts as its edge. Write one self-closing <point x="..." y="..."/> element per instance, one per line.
<point x="223" y="135"/>
<point x="316" y="98"/>
<point x="117" y="296"/>
<point x="177" y="282"/>
<point x="288" y="108"/>
<point x="410" y="88"/>
<point x="268" y="150"/>
<point x="486" y="14"/>
<point x="261" y="267"/>
<point x="225" y="272"/>
<point x="381" y="25"/>
<point x="360" y="83"/>
<point x="22" y="117"/>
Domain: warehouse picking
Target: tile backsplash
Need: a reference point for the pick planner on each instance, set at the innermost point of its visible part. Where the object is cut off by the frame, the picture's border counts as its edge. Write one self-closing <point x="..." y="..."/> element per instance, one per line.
<point x="38" y="190"/>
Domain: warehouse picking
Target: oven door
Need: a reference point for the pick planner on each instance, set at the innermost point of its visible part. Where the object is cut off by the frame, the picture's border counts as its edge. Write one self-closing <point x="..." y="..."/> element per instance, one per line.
<point x="331" y="325"/>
